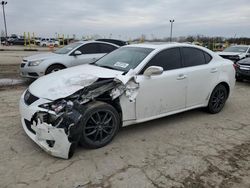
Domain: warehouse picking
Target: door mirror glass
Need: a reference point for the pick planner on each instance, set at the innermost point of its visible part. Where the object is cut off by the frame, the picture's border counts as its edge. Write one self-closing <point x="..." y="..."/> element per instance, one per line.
<point x="77" y="52"/>
<point x="153" y="70"/>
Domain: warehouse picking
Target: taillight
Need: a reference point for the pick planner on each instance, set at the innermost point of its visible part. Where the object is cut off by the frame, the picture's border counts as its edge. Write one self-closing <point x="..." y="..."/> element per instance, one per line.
<point x="236" y="65"/>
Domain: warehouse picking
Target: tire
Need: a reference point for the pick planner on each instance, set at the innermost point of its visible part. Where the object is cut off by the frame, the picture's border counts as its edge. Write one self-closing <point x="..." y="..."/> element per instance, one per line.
<point x="54" y="68"/>
<point x="100" y="124"/>
<point x="217" y="99"/>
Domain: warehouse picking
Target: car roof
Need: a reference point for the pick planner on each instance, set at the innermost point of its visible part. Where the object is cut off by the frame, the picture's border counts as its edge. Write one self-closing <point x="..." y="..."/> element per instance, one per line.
<point x="114" y="41"/>
<point x="93" y="41"/>
<point x="159" y="46"/>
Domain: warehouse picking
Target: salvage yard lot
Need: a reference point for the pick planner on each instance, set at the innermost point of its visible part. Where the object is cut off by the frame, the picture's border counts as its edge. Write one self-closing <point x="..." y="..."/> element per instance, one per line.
<point x="191" y="149"/>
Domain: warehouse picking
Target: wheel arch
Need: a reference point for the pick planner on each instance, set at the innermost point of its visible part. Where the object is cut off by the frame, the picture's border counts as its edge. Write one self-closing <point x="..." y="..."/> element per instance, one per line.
<point x="116" y="104"/>
<point x="53" y="64"/>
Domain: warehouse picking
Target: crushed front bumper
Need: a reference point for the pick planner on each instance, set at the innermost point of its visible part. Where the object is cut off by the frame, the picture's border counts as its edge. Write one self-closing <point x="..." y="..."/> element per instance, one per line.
<point x="51" y="139"/>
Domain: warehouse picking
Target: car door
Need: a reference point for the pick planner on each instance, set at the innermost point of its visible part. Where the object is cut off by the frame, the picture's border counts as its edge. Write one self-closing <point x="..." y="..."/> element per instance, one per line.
<point x="91" y="52"/>
<point x="202" y="74"/>
<point x="163" y="93"/>
<point x="106" y="48"/>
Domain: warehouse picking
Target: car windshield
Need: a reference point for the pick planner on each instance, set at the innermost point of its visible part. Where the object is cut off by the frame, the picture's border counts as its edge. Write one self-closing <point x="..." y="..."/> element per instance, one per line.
<point x="125" y="58"/>
<point x="68" y="48"/>
<point x="236" y="49"/>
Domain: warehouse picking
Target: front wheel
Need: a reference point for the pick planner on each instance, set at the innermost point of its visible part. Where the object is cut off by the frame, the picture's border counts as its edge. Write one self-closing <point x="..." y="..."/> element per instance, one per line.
<point x="217" y="99"/>
<point x="100" y="124"/>
<point x="54" y="68"/>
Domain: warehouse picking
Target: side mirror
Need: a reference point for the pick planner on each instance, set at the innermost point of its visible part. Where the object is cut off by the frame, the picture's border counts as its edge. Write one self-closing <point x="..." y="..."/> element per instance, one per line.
<point x="77" y="52"/>
<point x="248" y="55"/>
<point x="153" y="70"/>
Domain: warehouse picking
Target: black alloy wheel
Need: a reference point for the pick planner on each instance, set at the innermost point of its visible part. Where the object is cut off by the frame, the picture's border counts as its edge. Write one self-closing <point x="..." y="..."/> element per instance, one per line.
<point x="217" y="99"/>
<point x="100" y="125"/>
<point x="54" y="68"/>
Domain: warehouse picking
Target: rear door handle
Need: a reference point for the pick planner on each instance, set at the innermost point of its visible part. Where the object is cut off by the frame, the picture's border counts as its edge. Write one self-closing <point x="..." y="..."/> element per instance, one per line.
<point x="214" y="70"/>
<point x="181" y="77"/>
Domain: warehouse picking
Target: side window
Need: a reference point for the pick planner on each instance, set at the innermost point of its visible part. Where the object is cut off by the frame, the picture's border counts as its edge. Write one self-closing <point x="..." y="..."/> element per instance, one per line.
<point x="193" y="57"/>
<point x="106" y="48"/>
<point x="167" y="59"/>
<point x="92" y="48"/>
<point x="208" y="57"/>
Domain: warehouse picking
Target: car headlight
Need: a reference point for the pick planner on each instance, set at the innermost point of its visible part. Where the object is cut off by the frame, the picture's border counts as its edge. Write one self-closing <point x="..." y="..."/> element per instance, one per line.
<point x="35" y="63"/>
<point x="57" y="106"/>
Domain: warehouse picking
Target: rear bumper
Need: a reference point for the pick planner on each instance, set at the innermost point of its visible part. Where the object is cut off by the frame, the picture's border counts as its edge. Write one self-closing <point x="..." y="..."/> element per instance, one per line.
<point x="243" y="73"/>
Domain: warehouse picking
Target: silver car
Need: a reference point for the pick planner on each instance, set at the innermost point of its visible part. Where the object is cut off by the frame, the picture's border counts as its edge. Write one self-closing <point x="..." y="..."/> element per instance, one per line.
<point x="77" y="53"/>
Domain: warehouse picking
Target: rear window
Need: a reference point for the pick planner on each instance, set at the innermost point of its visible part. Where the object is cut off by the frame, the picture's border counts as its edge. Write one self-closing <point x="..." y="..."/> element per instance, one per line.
<point x="193" y="57"/>
<point x="208" y="57"/>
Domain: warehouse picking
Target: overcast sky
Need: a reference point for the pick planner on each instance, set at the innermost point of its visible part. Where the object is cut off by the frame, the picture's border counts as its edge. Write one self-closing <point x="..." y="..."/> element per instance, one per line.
<point x="129" y="18"/>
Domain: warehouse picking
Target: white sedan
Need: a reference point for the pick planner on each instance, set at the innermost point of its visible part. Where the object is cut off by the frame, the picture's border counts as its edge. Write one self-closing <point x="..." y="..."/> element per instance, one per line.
<point x="88" y="104"/>
<point x="77" y="53"/>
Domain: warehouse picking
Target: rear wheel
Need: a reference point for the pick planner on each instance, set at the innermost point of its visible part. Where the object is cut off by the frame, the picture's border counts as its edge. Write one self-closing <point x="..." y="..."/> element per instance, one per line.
<point x="217" y="99"/>
<point x="100" y="124"/>
<point x="54" y="68"/>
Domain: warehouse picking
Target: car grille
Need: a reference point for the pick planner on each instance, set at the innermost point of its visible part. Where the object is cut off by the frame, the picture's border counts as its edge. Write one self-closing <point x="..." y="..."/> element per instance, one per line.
<point x="33" y="74"/>
<point x="29" y="98"/>
<point x="28" y="125"/>
<point x="22" y="65"/>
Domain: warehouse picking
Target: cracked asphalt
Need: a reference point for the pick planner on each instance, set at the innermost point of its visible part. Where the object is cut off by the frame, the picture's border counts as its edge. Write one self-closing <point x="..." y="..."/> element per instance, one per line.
<point x="192" y="149"/>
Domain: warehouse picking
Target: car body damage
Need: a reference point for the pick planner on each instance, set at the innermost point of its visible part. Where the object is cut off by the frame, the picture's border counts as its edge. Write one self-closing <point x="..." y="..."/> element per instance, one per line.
<point x="57" y="125"/>
<point x="88" y="104"/>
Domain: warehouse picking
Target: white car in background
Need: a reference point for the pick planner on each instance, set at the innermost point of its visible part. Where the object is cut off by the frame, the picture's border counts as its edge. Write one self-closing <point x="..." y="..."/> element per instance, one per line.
<point x="77" y="53"/>
<point x="236" y="52"/>
<point x="88" y="104"/>
<point x="45" y="42"/>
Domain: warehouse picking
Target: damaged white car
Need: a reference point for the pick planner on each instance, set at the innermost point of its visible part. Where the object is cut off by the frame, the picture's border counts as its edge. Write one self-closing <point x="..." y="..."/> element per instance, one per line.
<point x="88" y="104"/>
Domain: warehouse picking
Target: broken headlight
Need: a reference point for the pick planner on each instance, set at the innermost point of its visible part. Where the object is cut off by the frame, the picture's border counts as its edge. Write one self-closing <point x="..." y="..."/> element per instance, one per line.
<point x="58" y="106"/>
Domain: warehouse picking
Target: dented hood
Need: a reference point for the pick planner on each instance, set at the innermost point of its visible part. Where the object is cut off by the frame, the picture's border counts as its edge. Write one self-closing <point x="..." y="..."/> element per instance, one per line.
<point x="229" y="53"/>
<point x="68" y="81"/>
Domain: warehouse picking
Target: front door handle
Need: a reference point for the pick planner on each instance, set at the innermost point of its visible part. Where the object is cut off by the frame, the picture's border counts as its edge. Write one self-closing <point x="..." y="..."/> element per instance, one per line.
<point x="214" y="70"/>
<point x="181" y="77"/>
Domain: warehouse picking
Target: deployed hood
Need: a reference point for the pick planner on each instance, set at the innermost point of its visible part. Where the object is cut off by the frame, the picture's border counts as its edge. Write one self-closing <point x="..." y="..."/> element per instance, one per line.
<point x="42" y="56"/>
<point x="68" y="81"/>
<point x="229" y="53"/>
